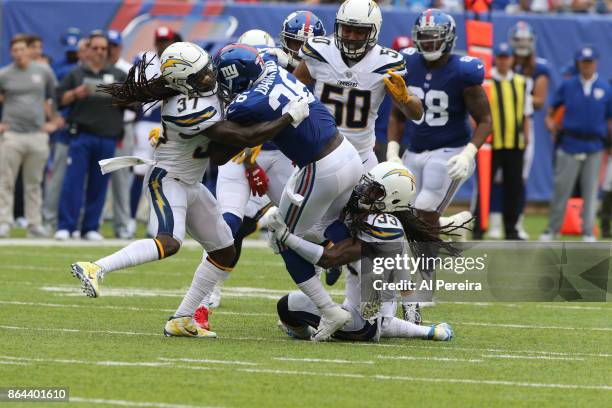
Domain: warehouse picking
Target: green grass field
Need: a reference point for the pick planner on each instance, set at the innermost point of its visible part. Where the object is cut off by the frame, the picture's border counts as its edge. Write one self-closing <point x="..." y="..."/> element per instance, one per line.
<point x="111" y="351"/>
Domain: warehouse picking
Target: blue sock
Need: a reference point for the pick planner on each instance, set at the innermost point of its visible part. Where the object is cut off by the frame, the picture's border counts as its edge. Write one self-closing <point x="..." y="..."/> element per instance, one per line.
<point x="233" y="221"/>
<point x="299" y="268"/>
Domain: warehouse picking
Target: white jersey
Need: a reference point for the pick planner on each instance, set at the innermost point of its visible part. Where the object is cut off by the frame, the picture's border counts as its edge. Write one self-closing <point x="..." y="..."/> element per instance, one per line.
<point x="181" y="151"/>
<point x="352" y="94"/>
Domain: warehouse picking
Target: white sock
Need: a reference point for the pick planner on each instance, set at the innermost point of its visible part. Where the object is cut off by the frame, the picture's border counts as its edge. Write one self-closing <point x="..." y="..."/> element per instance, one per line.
<point x="136" y="253"/>
<point x="313" y="288"/>
<point x="394" y="327"/>
<point x="204" y="280"/>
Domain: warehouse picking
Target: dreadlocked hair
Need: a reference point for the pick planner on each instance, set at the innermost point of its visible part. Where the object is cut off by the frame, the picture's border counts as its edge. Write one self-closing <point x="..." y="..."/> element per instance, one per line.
<point x="421" y="236"/>
<point x="137" y="88"/>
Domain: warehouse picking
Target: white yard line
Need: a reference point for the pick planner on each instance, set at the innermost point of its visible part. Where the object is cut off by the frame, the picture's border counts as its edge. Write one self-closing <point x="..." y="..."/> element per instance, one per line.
<point x="462" y="360"/>
<point x="527" y="326"/>
<point x="322" y="360"/>
<point x="124" y="403"/>
<point x="328" y="374"/>
<point x="208" y="361"/>
<point x="532" y="357"/>
<point x="453" y="348"/>
<point x="243" y="292"/>
<point x="126" y="333"/>
<point x="38" y="243"/>
<point x="449" y="348"/>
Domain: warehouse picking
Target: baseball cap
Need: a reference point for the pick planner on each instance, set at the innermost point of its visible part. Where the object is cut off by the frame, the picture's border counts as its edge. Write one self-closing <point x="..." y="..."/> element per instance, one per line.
<point x="400" y="42"/>
<point x="164" y="33"/>
<point x="70" y="39"/>
<point x="502" y="50"/>
<point x="114" y="37"/>
<point x="587" y="53"/>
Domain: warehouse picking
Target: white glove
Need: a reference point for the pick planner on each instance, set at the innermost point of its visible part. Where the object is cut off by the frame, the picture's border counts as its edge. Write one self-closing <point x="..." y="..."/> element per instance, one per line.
<point x="393" y="149"/>
<point x="284" y="60"/>
<point x="461" y="166"/>
<point x="298" y="109"/>
<point x="278" y="227"/>
<point x="278" y="231"/>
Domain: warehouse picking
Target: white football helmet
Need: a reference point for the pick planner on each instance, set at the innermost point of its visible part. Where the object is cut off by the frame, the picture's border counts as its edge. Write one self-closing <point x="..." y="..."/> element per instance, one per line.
<point x="188" y="69"/>
<point x="388" y="187"/>
<point x="357" y="14"/>
<point x="257" y="37"/>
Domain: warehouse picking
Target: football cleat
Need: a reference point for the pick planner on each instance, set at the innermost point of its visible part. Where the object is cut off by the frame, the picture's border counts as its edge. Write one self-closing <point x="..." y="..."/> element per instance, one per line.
<point x="87" y="273"/>
<point x="303" y="333"/>
<point x="201" y="317"/>
<point x="412" y="313"/>
<point x="440" y="332"/>
<point x="332" y="275"/>
<point x="332" y="319"/>
<point x="185" y="326"/>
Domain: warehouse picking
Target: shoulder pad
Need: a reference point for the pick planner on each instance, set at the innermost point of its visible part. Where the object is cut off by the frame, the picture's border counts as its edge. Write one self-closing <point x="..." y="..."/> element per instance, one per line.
<point x="184" y="117"/>
<point x="314" y="48"/>
<point x="472" y="70"/>
<point x="391" y="61"/>
<point x="382" y="227"/>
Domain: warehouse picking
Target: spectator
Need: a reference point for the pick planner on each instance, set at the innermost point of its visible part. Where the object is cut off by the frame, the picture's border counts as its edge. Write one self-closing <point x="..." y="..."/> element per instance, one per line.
<point x="35" y="48"/>
<point x="26" y="86"/>
<point x="511" y="108"/>
<point x="585" y="130"/>
<point x="60" y="139"/>
<point x="120" y="179"/>
<point x="95" y="126"/>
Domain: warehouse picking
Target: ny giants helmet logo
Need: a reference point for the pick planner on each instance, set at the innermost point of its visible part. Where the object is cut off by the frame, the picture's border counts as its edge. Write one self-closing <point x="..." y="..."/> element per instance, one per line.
<point x="230" y="72"/>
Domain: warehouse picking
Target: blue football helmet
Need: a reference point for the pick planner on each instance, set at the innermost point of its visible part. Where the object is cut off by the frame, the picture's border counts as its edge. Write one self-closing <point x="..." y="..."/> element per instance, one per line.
<point x="298" y="27"/>
<point x="238" y="67"/>
<point x="434" y="34"/>
<point x="522" y="38"/>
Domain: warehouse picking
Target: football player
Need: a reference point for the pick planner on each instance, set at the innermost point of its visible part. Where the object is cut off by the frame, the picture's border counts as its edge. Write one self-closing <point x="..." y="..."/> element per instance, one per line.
<point x="148" y="118"/>
<point x="249" y="182"/>
<point x="328" y="166"/>
<point x="380" y="219"/>
<point x="192" y="122"/>
<point x="351" y="74"/>
<point x="441" y="149"/>
<point x="298" y="27"/>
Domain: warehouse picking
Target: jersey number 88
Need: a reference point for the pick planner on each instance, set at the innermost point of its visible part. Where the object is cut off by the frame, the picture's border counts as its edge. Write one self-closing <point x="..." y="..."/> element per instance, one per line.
<point x="436" y="105"/>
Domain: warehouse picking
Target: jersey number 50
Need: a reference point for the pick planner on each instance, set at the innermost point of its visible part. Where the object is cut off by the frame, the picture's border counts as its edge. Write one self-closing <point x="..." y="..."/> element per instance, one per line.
<point x="349" y="119"/>
<point x="436" y="105"/>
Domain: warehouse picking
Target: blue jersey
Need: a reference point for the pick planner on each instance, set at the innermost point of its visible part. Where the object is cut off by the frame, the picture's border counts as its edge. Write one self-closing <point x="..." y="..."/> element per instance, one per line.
<point x="263" y="51"/>
<point x="267" y="100"/>
<point x="444" y="123"/>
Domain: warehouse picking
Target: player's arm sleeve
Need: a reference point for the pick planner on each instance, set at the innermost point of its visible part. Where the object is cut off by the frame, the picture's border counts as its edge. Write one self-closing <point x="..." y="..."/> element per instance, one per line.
<point x="243" y="129"/>
<point x="342" y="253"/>
<point x="472" y="70"/>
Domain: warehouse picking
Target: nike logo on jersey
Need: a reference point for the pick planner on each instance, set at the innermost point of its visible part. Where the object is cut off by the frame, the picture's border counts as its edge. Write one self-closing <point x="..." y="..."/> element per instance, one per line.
<point x="480" y="66"/>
